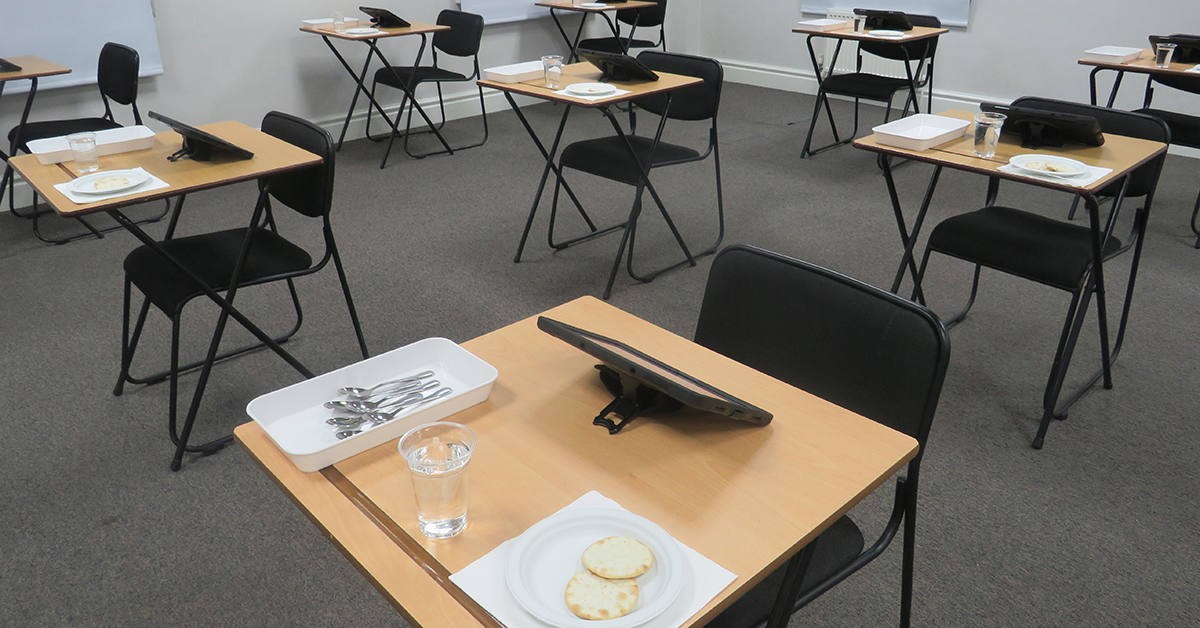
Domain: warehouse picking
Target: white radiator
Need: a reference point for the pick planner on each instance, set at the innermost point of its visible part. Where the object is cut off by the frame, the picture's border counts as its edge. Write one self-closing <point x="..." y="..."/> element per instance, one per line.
<point x="847" y="58"/>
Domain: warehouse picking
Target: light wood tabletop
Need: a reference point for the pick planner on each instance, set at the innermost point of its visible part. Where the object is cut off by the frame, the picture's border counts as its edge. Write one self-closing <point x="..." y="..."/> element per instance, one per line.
<point x="1120" y="153"/>
<point x="271" y="155"/>
<point x="584" y="72"/>
<point x="568" y="6"/>
<point x="746" y="497"/>
<point x="1144" y="64"/>
<point x="32" y="67"/>
<point x="916" y="34"/>
<point x="415" y="28"/>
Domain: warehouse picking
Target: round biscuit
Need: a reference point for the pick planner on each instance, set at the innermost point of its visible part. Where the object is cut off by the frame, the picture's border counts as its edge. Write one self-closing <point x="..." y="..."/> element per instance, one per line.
<point x="592" y="597"/>
<point x="618" y="557"/>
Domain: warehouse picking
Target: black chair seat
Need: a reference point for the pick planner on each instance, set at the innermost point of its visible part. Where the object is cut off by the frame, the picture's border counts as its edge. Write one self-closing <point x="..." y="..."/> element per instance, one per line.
<point x="835" y="548"/>
<point x="607" y="156"/>
<point x="1185" y="129"/>
<point x="424" y="74"/>
<point x="612" y="45"/>
<point x="211" y="256"/>
<point x="864" y="85"/>
<point x="57" y="128"/>
<point x="1028" y="245"/>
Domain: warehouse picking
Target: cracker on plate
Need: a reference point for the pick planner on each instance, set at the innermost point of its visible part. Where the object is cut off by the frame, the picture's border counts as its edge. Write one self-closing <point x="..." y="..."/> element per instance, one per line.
<point x="591" y="597"/>
<point x="618" y="557"/>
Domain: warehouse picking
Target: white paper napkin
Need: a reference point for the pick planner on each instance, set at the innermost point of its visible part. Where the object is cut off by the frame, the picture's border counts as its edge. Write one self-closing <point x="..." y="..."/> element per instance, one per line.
<point x="154" y="183"/>
<point x="619" y="92"/>
<point x="1194" y="68"/>
<point x="484" y="581"/>
<point x="1094" y="174"/>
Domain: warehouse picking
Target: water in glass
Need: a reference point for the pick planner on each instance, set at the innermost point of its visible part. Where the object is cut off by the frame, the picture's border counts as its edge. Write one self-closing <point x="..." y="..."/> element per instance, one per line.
<point x="439" y="476"/>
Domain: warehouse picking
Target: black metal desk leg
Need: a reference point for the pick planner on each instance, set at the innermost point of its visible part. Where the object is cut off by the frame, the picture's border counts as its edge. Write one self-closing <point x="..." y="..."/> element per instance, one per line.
<point x="360" y="87"/>
<point x="1093" y="209"/>
<point x="549" y="155"/>
<point x="409" y="94"/>
<point x="909" y="239"/>
<point x="10" y="178"/>
<point x="789" y="589"/>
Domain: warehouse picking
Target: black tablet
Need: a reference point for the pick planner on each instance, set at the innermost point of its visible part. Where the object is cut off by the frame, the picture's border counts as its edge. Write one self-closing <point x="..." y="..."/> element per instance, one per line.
<point x="200" y="145"/>
<point x="382" y="18"/>
<point x="653" y="373"/>
<point x="885" y="20"/>
<point x="9" y="66"/>
<point x="618" y="67"/>
<point x="1038" y="127"/>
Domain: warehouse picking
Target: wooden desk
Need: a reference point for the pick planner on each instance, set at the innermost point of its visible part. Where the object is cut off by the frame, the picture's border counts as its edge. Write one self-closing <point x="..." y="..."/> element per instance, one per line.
<point x="745" y="497"/>
<point x="588" y="73"/>
<point x="918" y="33"/>
<point x="32" y="68"/>
<point x="271" y="156"/>
<point x="567" y="5"/>
<point x="1143" y="64"/>
<point x="326" y="31"/>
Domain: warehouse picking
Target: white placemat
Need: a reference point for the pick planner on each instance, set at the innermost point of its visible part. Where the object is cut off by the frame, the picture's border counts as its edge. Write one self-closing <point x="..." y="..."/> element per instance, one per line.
<point x="1094" y="174"/>
<point x="619" y="92"/>
<point x="154" y="183"/>
<point x="484" y="581"/>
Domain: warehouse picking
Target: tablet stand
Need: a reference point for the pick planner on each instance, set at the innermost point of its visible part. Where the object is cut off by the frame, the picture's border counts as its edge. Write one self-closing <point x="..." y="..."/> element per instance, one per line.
<point x="194" y="150"/>
<point x="631" y="400"/>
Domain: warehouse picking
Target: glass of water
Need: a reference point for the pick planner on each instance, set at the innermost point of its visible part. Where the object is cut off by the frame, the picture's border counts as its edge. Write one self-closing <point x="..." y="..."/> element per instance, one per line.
<point x="339" y="22"/>
<point x="860" y="23"/>
<point x="552" y="64"/>
<point x="987" y="133"/>
<point x="1163" y="53"/>
<point x="83" y="149"/>
<point x="437" y="455"/>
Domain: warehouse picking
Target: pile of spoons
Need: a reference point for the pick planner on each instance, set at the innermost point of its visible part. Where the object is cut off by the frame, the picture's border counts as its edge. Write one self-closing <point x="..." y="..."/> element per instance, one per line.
<point x="383" y="402"/>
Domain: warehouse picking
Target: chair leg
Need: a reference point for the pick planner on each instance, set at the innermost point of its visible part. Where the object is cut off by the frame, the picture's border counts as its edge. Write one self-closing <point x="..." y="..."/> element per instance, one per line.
<point x="1076" y="313"/>
<point x="909" y="549"/>
<point x="962" y="314"/>
<point x="629" y="226"/>
<point x="812" y="125"/>
<point x="1195" y="229"/>
<point x="337" y="263"/>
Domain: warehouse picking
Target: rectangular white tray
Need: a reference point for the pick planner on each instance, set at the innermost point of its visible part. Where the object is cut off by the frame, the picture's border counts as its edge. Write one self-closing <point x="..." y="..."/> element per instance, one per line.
<point x="920" y="131"/>
<point x="1112" y="54"/>
<point x="825" y="24"/>
<point x="53" y="150"/>
<point x="515" y="73"/>
<point x="294" y="417"/>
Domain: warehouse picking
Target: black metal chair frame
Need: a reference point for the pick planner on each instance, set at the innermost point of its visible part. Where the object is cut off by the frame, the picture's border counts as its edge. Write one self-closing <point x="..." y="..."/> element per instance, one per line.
<point x="1091" y="282"/>
<point x="789" y="597"/>
<point x="411" y="89"/>
<point x="8" y="182"/>
<point x="261" y="219"/>
<point x="921" y="78"/>
<point x="623" y="44"/>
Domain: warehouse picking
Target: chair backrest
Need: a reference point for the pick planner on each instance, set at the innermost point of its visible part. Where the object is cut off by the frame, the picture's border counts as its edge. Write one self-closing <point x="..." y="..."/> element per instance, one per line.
<point x="117" y="77"/>
<point x="1187" y="50"/>
<point x="848" y="342"/>
<point x="1118" y="122"/>
<point x="913" y="50"/>
<point x="648" y="16"/>
<point x="464" y="36"/>
<point x="309" y="190"/>
<point x="695" y="102"/>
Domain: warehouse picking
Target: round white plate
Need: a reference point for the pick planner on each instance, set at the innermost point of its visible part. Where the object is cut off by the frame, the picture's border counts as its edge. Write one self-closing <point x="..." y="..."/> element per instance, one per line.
<point x="593" y="5"/>
<point x="591" y="89"/>
<point x="87" y="184"/>
<point x="1075" y="168"/>
<point x="361" y="31"/>
<point x="550" y="552"/>
<point x="886" y="33"/>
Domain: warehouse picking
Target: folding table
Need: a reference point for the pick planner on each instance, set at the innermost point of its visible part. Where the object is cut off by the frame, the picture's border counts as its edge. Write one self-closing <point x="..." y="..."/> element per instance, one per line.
<point x="32" y="68"/>
<point x="567" y="5"/>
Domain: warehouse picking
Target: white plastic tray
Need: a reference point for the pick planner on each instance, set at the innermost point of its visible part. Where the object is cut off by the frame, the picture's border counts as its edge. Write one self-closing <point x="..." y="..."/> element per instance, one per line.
<point x="294" y="417"/>
<point x="1112" y="54"/>
<point x="515" y="73"/>
<point x="53" y="150"/>
<point x="920" y="131"/>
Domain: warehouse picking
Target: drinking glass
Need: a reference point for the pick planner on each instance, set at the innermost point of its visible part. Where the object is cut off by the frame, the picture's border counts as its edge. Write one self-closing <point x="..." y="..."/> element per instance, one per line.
<point x="339" y="22"/>
<point x="987" y="133"/>
<point x="1163" y="53"/>
<point x="552" y="64"/>
<point x="437" y="455"/>
<point x="860" y="23"/>
<point x="83" y="149"/>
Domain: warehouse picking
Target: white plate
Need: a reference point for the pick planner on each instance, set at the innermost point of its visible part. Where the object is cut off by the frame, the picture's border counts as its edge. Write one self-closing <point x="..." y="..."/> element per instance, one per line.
<point x="593" y="5"/>
<point x="886" y="33"/>
<point x="87" y="184"/>
<point x="1077" y="169"/>
<point x="590" y="89"/>
<point x="550" y="552"/>
<point x="362" y="31"/>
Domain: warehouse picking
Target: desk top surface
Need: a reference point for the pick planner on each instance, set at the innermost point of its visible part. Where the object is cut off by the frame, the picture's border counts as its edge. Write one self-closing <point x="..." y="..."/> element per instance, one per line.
<point x="32" y="67"/>
<point x="917" y="33"/>
<point x="1120" y="153"/>
<point x="584" y="72"/>
<point x="415" y="28"/>
<point x="746" y="497"/>
<point x="568" y="6"/>
<point x="1144" y="64"/>
<point x="271" y="155"/>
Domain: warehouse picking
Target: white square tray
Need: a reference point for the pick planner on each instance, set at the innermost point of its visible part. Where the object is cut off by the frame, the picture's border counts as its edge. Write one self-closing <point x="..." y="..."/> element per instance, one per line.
<point x="1112" y="54"/>
<point x="920" y="131"/>
<point x="515" y="73"/>
<point x="53" y="150"/>
<point x="294" y="417"/>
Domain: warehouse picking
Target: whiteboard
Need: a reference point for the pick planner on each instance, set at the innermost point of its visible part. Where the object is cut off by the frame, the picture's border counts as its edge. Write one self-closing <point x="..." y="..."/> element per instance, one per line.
<point x="500" y="11"/>
<point x="72" y="32"/>
<point x="950" y="12"/>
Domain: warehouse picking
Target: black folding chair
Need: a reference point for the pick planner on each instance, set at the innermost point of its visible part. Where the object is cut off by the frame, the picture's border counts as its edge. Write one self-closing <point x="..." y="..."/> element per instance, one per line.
<point x="462" y="40"/>
<point x="629" y="160"/>
<point x="117" y="78"/>
<point x="861" y="85"/>
<point x="218" y="258"/>
<point x="1056" y="253"/>
<point x="647" y="17"/>
<point x="853" y="344"/>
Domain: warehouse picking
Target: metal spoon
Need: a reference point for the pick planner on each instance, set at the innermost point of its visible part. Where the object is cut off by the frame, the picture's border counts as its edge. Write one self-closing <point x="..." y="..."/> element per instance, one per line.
<point x="363" y="393"/>
<point x="361" y="406"/>
<point x="376" y="418"/>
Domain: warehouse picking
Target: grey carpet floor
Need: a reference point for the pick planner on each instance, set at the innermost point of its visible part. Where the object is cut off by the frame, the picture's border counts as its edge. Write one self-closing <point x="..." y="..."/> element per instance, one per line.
<point x="1097" y="529"/>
